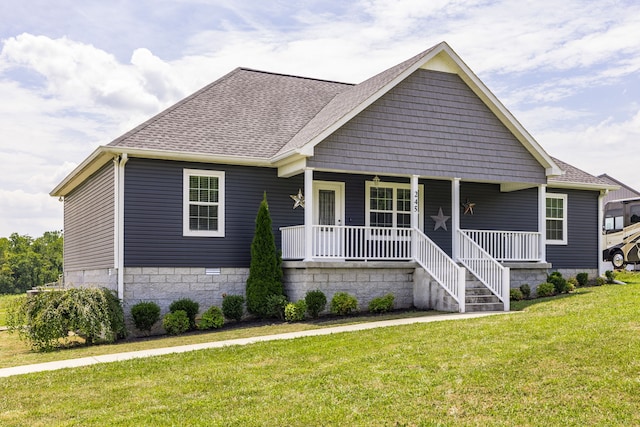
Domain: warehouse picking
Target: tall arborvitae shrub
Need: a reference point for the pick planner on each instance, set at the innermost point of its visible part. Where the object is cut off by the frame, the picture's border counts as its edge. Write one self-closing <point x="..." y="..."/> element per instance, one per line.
<point x="265" y="271"/>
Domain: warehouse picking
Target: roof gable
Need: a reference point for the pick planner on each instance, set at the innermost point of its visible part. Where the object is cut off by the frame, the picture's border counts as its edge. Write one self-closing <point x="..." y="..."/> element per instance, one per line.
<point x="351" y="102"/>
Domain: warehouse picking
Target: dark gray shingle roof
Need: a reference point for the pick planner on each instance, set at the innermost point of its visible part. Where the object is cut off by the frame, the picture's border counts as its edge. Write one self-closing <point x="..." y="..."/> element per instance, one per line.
<point x="246" y="113"/>
<point x="575" y="175"/>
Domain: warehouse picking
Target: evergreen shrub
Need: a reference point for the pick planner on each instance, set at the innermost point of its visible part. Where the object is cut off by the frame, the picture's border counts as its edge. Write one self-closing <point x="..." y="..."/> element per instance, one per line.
<point x="526" y="291"/>
<point x="294" y="312"/>
<point x="189" y="306"/>
<point x="582" y="278"/>
<point x="145" y="314"/>
<point x="233" y="307"/>
<point x="545" y="290"/>
<point x="316" y="302"/>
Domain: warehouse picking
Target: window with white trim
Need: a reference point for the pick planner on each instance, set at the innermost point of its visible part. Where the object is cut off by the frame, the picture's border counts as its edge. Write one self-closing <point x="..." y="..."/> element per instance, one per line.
<point x="203" y="203"/>
<point x="556" y="219"/>
<point x="388" y="204"/>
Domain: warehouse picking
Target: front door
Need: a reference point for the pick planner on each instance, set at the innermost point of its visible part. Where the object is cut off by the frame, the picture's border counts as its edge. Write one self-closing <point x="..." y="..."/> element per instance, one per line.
<point x="328" y="212"/>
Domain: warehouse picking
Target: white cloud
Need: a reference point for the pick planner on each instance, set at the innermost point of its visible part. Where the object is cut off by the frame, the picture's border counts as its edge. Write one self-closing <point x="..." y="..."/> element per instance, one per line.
<point x="28" y="213"/>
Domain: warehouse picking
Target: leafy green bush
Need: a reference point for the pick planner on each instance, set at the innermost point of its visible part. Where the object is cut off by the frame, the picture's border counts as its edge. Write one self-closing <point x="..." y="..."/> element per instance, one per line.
<point x="211" y="319"/>
<point x="545" y="290"/>
<point x="295" y="311"/>
<point x="582" y="278"/>
<point x="189" y="306"/>
<point x="600" y="281"/>
<point x="45" y="319"/>
<point x="176" y="322"/>
<point x="233" y="306"/>
<point x="526" y="291"/>
<point x="316" y="302"/>
<point x="145" y="314"/>
<point x="276" y="305"/>
<point x="342" y="303"/>
<point x="382" y="304"/>
<point x="515" y="294"/>
<point x="610" y="275"/>
<point x="558" y="281"/>
<point x="572" y="284"/>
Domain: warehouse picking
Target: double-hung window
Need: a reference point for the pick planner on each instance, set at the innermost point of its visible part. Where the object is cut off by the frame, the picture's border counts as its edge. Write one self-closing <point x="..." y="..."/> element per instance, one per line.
<point x="203" y="203"/>
<point x="389" y="205"/>
<point x="556" y="219"/>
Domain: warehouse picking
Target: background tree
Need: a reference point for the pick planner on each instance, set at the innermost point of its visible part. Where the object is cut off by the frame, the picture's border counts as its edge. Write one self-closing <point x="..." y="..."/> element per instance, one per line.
<point x="25" y="262"/>
<point x="265" y="271"/>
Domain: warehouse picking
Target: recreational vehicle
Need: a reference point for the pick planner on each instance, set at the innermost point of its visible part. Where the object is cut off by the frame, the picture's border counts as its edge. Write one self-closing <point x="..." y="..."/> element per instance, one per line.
<point x="621" y="232"/>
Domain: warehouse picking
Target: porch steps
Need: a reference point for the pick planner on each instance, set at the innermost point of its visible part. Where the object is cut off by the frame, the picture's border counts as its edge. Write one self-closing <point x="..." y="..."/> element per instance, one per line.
<point x="479" y="298"/>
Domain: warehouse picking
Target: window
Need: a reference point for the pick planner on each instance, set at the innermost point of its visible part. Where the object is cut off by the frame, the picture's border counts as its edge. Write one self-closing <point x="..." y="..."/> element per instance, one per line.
<point x="556" y="219"/>
<point x="389" y="205"/>
<point x="203" y="200"/>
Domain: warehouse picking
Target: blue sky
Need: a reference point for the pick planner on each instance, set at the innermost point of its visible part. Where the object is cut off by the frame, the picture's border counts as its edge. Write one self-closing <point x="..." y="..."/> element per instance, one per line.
<point x="77" y="75"/>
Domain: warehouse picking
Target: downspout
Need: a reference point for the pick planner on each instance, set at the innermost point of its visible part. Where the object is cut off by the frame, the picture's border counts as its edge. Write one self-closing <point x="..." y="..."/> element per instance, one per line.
<point x="119" y="240"/>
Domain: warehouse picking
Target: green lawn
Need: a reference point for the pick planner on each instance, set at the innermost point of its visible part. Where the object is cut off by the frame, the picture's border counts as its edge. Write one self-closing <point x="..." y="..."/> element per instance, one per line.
<point x="561" y="361"/>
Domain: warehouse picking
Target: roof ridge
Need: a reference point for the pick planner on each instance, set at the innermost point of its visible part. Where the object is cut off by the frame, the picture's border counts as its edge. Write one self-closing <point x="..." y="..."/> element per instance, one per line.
<point x="274" y="73"/>
<point x="173" y="107"/>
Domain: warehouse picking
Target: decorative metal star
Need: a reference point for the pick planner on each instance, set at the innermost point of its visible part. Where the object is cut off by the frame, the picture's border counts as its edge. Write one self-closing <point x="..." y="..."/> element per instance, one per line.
<point x="468" y="207"/>
<point x="298" y="199"/>
<point x="441" y="220"/>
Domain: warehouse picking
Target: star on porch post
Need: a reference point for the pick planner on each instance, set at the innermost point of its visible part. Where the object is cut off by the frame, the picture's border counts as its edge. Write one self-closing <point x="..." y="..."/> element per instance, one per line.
<point x="298" y="199"/>
<point x="468" y="207"/>
<point x="441" y="220"/>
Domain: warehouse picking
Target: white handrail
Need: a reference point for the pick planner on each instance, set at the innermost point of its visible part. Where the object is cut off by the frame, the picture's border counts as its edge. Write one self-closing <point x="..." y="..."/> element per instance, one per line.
<point x="508" y="245"/>
<point x="441" y="268"/>
<point x="486" y="268"/>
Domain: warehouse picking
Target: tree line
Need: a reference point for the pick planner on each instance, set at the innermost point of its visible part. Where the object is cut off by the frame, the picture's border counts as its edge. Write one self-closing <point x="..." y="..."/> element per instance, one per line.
<point x="26" y="262"/>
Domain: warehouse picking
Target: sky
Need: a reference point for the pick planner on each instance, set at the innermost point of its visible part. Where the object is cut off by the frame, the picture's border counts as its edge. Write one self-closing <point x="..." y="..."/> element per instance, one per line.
<point x="78" y="75"/>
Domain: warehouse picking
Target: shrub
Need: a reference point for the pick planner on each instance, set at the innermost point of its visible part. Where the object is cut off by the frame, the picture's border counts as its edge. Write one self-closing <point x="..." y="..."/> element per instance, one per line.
<point x="316" y="302"/>
<point x="342" y="303"/>
<point x="190" y="307"/>
<point x="600" y="281"/>
<point x="276" y="305"/>
<point x="176" y="322"/>
<point x="382" y="304"/>
<point x="295" y="311"/>
<point x="545" y="290"/>
<point x="582" y="278"/>
<point x="211" y="319"/>
<point x="233" y="307"/>
<point x="526" y="291"/>
<point x="571" y="284"/>
<point x="45" y="319"/>
<point x="145" y="314"/>
<point x="515" y="294"/>
<point x="610" y="275"/>
<point x="265" y="270"/>
<point x="558" y="281"/>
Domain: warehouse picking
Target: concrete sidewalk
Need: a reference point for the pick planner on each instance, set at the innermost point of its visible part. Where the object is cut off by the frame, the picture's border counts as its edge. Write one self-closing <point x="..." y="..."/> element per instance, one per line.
<point x="116" y="357"/>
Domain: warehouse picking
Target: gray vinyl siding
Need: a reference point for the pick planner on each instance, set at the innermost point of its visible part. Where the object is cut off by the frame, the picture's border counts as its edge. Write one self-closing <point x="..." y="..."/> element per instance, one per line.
<point x="495" y="210"/>
<point x="153" y="214"/>
<point x="437" y="194"/>
<point x="581" y="250"/>
<point x="89" y="223"/>
<point x="432" y="125"/>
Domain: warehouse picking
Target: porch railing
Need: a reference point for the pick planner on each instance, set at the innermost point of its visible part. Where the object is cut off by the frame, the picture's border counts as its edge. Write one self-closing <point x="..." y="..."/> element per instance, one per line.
<point x="485" y="267"/>
<point x="348" y="242"/>
<point x="508" y="245"/>
<point x="441" y="268"/>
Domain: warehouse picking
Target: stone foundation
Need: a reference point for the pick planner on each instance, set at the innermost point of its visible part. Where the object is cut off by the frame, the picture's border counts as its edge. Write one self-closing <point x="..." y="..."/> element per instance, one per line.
<point x="163" y="285"/>
<point x="364" y="280"/>
<point x="528" y="273"/>
<point x="101" y="278"/>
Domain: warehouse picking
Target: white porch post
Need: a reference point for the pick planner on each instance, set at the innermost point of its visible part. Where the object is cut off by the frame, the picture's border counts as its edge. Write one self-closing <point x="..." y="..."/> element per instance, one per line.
<point x="542" y="222"/>
<point x="308" y="214"/>
<point x="455" y="217"/>
<point x="415" y="210"/>
<point x="601" y="267"/>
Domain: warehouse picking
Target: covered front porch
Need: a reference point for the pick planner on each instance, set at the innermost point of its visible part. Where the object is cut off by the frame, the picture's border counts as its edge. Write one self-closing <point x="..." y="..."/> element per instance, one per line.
<point x="393" y="228"/>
